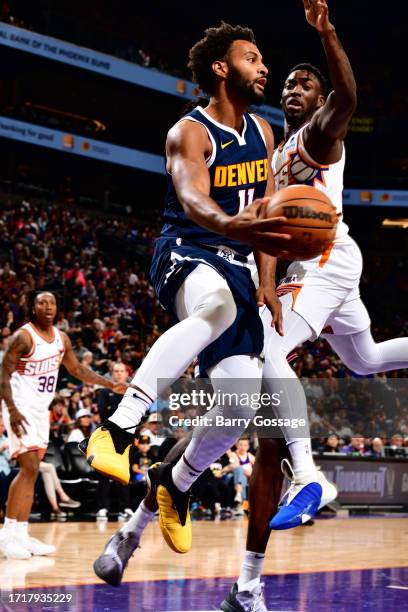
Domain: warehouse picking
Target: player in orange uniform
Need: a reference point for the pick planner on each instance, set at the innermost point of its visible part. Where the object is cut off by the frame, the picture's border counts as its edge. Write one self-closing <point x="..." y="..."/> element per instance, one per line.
<point x="29" y="375"/>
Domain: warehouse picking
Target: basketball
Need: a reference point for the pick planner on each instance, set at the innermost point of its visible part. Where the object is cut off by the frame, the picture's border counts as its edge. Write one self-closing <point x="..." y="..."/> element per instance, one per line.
<point x="311" y="220"/>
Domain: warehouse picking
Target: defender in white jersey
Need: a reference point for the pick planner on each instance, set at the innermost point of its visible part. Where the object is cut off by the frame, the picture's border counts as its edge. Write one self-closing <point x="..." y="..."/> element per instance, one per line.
<point x="29" y="373"/>
<point x="319" y="295"/>
<point x="325" y="289"/>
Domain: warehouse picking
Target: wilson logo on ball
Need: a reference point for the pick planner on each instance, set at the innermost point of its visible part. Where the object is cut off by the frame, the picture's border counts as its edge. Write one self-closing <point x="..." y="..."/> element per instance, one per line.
<point x="305" y="212"/>
<point x="311" y="220"/>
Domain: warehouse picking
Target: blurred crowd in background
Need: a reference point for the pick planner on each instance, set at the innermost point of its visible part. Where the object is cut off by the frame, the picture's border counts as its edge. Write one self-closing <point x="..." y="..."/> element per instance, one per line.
<point x="109" y="310"/>
<point x="71" y="228"/>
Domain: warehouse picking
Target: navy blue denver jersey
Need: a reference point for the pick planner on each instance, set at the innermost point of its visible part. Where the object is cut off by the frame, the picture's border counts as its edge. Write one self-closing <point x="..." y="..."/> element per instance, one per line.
<point x="238" y="169"/>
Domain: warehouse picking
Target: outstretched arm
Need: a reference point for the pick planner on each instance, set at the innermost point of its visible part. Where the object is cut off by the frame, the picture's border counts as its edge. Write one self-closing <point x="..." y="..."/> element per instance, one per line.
<point x="86" y="375"/>
<point x="323" y="137"/>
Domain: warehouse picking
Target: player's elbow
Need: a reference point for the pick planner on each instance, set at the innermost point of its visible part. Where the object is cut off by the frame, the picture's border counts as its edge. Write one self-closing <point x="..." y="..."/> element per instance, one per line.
<point x="350" y="102"/>
<point x="188" y="208"/>
<point x="346" y="104"/>
<point x="336" y="126"/>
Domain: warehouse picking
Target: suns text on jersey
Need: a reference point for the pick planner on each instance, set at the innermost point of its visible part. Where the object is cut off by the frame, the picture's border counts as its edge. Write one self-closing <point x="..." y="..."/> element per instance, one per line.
<point x="244" y="173"/>
<point x="35" y="368"/>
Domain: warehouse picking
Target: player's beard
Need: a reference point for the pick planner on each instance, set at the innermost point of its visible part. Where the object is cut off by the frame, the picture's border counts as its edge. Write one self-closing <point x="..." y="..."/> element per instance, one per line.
<point x="244" y="89"/>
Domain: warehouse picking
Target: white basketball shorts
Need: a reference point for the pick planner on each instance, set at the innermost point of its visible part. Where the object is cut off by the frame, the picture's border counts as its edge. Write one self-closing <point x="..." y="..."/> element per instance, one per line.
<point x="325" y="290"/>
<point x="37" y="428"/>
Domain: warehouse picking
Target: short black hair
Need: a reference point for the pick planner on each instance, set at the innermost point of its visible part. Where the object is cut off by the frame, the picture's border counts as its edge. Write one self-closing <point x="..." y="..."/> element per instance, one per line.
<point x="324" y="83"/>
<point x="212" y="47"/>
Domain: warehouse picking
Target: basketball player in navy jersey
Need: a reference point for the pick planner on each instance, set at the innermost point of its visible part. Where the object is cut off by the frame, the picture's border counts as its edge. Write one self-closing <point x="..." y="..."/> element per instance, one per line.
<point x="218" y="161"/>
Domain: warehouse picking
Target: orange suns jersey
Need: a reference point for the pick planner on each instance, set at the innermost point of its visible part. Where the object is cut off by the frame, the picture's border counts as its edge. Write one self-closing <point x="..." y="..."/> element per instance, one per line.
<point x="35" y="378"/>
<point x="292" y="165"/>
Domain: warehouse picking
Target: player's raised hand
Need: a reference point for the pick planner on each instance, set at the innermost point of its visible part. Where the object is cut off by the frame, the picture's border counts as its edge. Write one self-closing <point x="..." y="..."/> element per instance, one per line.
<point x="252" y="227"/>
<point x="317" y="14"/>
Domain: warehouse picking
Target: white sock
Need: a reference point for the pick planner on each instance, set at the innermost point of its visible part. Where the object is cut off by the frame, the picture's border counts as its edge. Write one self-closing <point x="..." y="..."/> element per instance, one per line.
<point x="251" y="571"/>
<point x="139" y="521"/>
<point x="21" y="528"/>
<point x="131" y="409"/>
<point x="9" y="524"/>
<point x="301" y="454"/>
<point x="184" y="474"/>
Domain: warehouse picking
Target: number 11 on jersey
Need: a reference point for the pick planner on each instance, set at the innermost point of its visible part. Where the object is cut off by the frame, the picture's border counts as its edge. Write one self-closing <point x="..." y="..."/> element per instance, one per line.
<point x="246" y="197"/>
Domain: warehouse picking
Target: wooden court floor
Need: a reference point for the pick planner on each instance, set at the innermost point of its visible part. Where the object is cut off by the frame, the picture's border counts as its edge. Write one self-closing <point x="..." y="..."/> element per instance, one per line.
<point x="329" y="545"/>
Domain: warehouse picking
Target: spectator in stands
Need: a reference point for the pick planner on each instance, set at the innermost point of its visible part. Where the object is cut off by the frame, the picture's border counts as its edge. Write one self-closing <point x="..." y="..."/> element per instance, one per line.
<point x="7" y="275"/>
<point x="332" y="444"/>
<point x="356" y="446"/>
<point x="74" y="403"/>
<point x="397" y="441"/>
<point x="83" y="426"/>
<point x="62" y="323"/>
<point x="53" y="487"/>
<point x="106" y="492"/>
<point x="87" y="359"/>
<point x="245" y="459"/>
<point x="59" y="420"/>
<point x="152" y="429"/>
<point x="108" y="401"/>
<point x="377" y="448"/>
<point x="213" y="490"/>
<point x="171" y="440"/>
<point x="341" y="426"/>
<point x="79" y="348"/>
<point x="234" y="475"/>
<point x="143" y="458"/>
<point x="74" y="277"/>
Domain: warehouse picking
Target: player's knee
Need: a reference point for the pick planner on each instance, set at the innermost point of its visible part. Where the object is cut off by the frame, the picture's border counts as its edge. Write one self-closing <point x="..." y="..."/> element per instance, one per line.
<point x="364" y="367"/>
<point x="219" y="309"/>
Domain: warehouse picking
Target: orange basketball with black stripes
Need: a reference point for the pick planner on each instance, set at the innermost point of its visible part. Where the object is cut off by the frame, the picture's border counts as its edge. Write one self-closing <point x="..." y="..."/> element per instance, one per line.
<point x="311" y="220"/>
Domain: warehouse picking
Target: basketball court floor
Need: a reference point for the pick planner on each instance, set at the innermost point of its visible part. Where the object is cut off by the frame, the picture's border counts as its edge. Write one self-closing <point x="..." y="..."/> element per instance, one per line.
<point x="333" y="566"/>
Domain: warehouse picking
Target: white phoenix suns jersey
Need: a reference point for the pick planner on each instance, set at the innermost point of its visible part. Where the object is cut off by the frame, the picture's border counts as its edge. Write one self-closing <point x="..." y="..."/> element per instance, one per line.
<point x="34" y="381"/>
<point x="292" y="165"/>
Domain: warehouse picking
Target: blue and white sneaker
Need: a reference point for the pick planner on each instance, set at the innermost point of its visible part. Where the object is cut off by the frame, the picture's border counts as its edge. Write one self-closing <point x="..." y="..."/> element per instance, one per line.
<point x="304" y="497"/>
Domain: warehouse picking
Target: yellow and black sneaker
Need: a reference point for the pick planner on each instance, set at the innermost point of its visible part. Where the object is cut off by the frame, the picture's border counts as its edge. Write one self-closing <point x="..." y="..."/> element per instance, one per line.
<point x="174" y="517"/>
<point x="108" y="451"/>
